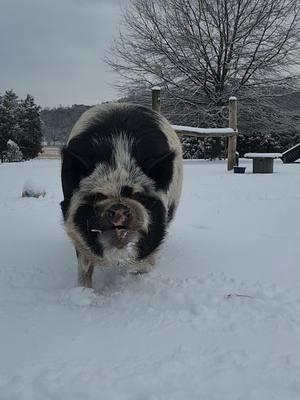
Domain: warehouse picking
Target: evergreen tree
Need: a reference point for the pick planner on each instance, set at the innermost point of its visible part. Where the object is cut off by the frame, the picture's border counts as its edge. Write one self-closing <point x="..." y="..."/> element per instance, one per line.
<point x="29" y="137"/>
<point x="9" y="126"/>
<point x="20" y="122"/>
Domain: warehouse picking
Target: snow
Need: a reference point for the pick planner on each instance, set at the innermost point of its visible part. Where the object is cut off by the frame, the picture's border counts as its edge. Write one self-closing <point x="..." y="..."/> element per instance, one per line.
<point x="218" y="319"/>
<point x="292" y="148"/>
<point x="262" y="155"/>
<point x="204" y="131"/>
<point x="33" y="189"/>
<point x="11" y="143"/>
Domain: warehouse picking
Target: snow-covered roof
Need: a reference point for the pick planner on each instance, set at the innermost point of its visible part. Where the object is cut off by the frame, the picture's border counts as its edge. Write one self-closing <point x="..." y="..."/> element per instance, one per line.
<point x="292" y="148"/>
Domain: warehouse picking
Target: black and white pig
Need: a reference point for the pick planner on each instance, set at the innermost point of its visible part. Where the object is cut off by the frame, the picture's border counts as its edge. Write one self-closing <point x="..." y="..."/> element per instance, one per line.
<point x="121" y="180"/>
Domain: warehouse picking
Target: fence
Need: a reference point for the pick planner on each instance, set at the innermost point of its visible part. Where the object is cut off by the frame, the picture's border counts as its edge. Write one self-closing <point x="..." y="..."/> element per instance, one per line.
<point x="230" y="132"/>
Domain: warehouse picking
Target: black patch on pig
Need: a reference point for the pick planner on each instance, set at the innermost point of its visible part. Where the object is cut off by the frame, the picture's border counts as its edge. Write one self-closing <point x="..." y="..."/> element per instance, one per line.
<point x="126" y="191"/>
<point x="157" y="228"/>
<point x="171" y="212"/>
<point x="74" y="168"/>
<point x="64" y="205"/>
<point x="160" y="170"/>
<point x="84" y="220"/>
<point x="94" y="148"/>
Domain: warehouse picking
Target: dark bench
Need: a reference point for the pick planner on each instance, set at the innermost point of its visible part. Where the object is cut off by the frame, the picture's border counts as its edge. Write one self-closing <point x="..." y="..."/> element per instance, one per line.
<point x="263" y="163"/>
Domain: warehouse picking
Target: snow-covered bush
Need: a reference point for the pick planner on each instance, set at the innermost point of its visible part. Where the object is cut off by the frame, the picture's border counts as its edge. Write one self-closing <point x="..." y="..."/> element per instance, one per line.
<point x="207" y="148"/>
<point x="13" y="152"/>
<point x="265" y="142"/>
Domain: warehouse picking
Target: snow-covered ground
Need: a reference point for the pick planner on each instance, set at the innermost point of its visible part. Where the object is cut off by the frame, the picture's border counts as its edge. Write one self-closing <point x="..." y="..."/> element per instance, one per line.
<point x="218" y="319"/>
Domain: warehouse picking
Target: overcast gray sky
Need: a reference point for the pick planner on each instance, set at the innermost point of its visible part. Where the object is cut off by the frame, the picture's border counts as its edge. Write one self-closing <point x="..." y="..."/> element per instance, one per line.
<point x="53" y="49"/>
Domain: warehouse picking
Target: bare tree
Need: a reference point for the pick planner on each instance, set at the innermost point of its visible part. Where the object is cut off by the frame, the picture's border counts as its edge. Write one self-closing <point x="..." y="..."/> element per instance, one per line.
<point x="202" y="51"/>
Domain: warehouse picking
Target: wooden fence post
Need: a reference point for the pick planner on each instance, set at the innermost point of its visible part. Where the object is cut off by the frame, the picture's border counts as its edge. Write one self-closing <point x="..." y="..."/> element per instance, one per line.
<point x="232" y="140"/>
<point x="156" y="98"/>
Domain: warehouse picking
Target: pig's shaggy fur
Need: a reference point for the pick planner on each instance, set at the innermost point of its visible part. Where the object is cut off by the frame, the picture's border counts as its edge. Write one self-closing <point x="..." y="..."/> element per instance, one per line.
<point x="127" y="155"/>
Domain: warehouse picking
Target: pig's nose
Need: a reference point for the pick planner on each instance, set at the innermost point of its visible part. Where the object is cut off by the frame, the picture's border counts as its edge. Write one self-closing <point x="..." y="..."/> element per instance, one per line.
<point x="118" y="215"/>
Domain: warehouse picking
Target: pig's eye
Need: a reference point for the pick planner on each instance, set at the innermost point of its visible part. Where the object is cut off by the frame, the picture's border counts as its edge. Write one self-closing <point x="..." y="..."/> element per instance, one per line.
<point x="146" y="189"/>
<point x="140" y="196"/>
<point x="95" y="197"/>
<point x="126" y="191"/>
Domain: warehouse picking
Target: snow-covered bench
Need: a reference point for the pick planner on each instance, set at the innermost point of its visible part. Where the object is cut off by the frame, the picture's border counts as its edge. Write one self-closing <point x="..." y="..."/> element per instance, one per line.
<point x="263" y="163"/>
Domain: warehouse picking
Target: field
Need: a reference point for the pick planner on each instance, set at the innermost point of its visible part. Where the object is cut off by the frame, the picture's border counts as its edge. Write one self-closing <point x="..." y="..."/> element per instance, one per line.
<point x="218" y="319"/>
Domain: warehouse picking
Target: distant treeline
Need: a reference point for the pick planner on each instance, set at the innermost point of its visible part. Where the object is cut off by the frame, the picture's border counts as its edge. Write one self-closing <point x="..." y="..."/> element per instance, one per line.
<point x="58" y="121"/>
<point x="271" y="127"/>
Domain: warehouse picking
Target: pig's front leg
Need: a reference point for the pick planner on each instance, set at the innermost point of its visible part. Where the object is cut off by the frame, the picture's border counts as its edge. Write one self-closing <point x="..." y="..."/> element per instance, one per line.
<point x="85" y="271"/>
<point x="144" y="266"/>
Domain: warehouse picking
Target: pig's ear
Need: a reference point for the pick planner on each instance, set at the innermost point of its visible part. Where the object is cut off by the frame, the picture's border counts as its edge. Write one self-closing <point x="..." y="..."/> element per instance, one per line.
<point x="74" y="168"/>
<point x="77" y="161"/>
<point x="160" y="170"/>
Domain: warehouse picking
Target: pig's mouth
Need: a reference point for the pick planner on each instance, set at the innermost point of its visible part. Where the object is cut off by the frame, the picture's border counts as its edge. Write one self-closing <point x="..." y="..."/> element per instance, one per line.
<point x="119" y="235"/>
<point x="121" y="232"/>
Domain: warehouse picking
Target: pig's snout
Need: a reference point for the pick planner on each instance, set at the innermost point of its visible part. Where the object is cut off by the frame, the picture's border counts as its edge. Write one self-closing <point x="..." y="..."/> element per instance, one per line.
<point x="118" y="215"/>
